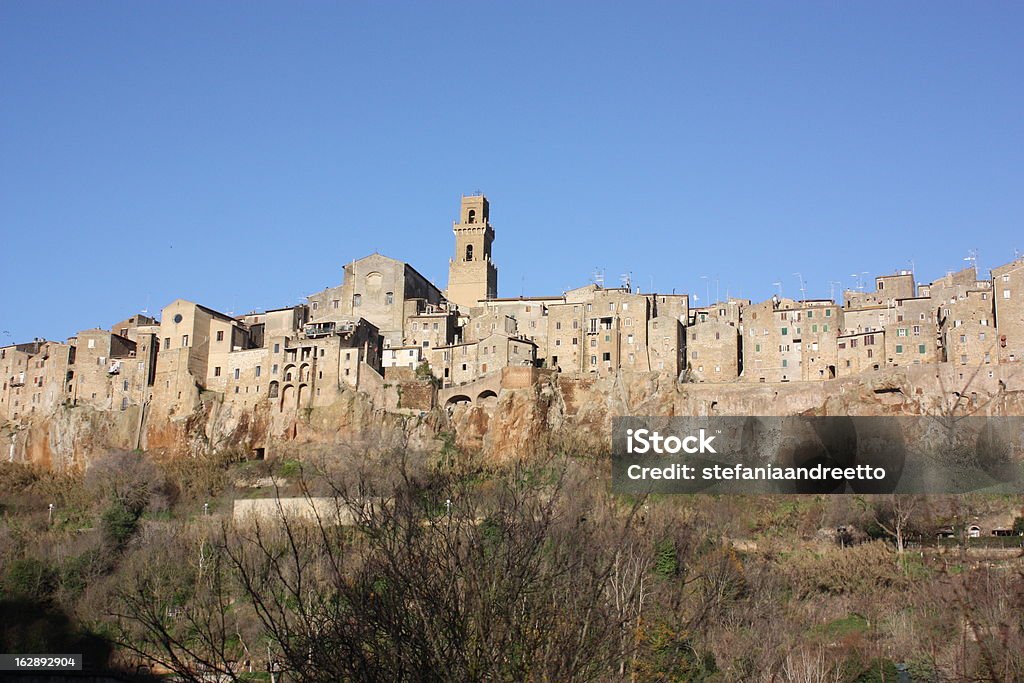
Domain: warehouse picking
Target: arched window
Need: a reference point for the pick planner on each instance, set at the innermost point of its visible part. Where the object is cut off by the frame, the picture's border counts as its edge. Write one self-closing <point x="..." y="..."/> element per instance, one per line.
<point x="389" y="298"/>
<point x="469" y="252"/>
<point x="472" y="216"/>
<point x="357" y="299"/>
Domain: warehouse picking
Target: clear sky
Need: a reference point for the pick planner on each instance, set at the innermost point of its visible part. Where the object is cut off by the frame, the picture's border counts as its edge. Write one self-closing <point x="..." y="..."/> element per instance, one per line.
<point x="238" y="154"/>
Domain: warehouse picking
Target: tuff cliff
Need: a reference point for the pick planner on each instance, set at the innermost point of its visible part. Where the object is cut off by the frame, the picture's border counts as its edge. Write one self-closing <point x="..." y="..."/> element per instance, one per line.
<point x="548" y="411"/>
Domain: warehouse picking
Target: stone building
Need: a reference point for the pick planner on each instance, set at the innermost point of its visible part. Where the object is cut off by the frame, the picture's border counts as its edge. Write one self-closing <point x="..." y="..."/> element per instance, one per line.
<point x="900" y="285"/>
<point x="408" y="357"/>
<point x="666" y="345"/>
<point x="912" y="342"/>
<point x="106" y="374"/>
<point x="15" y="364"/>
<point x="818" y="326"/>
<point x="468" y="361"/>
<point x="967" y="326"/>
<point x="433" y="327"/>
<point x="616" y="332"/>
<point x="483" y="322"/>
<point x="771" y="342"/>
<point x="190" y="352"/>
<point x="129" y="327"/>
<point x="860" y="352"/>
<point x="713" y="351"/>
<point x="566" y="342"/>
<point x="1008" y="281"/>
<point x="472" y="275"/>
<point x="529" y="313"/>
<point x="381" y="290"/>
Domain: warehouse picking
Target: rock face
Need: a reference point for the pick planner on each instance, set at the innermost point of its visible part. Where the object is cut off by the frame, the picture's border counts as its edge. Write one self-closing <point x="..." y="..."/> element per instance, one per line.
<point x="547" y="412"/>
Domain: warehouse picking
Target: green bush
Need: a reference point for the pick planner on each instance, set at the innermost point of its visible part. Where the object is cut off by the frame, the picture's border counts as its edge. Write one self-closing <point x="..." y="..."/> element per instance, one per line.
<point x="119" y="523"/>
<point x="30" y="579"/>
<point x="666" y="561"/>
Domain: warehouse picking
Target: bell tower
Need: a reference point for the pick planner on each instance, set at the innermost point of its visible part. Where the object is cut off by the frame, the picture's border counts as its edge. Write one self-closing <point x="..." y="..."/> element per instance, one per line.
<point x="471" y="274"/>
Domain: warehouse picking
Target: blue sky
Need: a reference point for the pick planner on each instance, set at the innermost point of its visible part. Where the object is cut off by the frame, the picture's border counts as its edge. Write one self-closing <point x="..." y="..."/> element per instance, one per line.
<point x="237" y="154"/>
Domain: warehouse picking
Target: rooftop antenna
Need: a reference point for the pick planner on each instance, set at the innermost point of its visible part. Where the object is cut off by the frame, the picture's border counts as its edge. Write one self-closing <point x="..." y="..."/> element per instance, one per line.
<point x="972" y="257"/>
<point x="779" y="285"/>
<point x="626" y="281"/>
<point x="598" y="276"/>
<point x="707" y="289"/>
<point x="803" y="289"/>
<point x="832" y="289"/>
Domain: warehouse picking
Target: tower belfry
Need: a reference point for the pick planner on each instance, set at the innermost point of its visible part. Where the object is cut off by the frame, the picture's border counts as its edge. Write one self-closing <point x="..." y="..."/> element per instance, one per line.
<point x="472" y="275"/>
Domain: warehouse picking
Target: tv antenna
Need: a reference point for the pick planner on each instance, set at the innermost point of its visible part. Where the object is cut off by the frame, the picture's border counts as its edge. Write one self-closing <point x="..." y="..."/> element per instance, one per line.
<point x="972" y="258"/>
<point x="803" y="289"/>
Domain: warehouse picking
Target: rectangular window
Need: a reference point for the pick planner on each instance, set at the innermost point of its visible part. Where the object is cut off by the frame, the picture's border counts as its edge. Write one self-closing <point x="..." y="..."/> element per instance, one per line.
<point x="238" y="373"/>
<point x="184" y="340"/>
<point x="785" y="331"/>
<point x="899" y="348"/>
<point x="259" y="370"/>
<point x="277" y="348"/>
<point x="216" y="371"/>
<point x="167" y="343"/>
<point x="920" y="348"/>
<point x="220" y="335"/>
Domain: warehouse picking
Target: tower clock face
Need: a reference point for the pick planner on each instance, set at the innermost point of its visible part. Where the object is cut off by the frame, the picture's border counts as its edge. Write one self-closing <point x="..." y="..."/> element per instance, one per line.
<point x="177" y="317"/>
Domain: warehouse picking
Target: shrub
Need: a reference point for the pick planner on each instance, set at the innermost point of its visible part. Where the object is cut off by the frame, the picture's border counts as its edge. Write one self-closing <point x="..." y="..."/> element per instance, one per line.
<point x="30" y="579"/>
<point x="119" y="522"/>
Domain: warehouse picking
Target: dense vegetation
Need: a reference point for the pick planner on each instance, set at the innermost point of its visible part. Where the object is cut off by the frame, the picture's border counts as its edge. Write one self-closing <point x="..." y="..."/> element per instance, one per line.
<point x="447" y="570"/>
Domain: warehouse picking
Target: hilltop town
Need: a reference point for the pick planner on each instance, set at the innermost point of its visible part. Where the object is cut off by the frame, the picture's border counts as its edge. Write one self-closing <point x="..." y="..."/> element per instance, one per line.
<point x="388" y="333"/>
